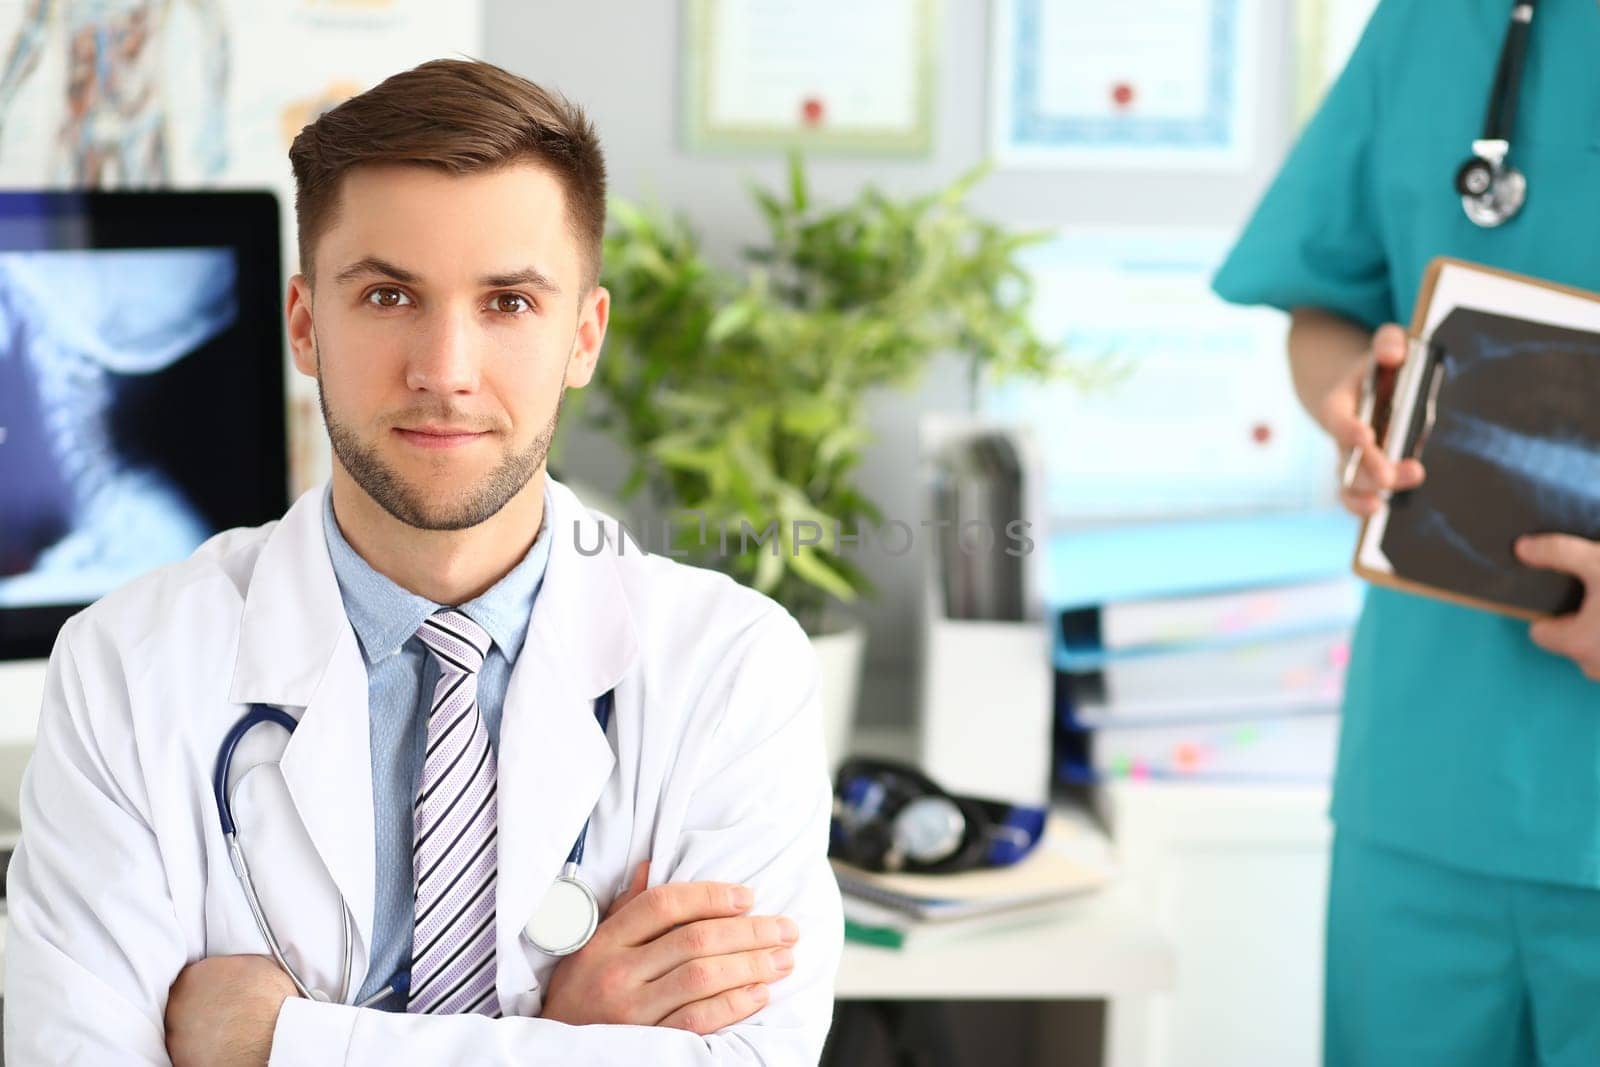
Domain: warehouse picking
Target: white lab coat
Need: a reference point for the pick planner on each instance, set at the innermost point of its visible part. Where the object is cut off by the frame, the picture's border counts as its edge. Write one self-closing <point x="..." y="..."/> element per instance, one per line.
<point x="714" y="769"/>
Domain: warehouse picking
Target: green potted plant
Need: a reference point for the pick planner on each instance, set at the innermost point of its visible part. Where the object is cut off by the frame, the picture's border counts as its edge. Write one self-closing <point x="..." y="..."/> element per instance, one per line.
<point x="739" y="394"/>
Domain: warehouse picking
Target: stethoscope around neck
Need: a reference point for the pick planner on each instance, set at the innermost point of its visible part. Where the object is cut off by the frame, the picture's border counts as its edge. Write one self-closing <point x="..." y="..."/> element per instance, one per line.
<point x="1492" y="190"/>
<point x="565" y="920"/>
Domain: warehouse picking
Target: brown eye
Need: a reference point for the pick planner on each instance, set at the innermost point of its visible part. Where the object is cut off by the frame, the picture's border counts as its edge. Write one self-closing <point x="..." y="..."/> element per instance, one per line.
<point x="388" y="297"/>
<point x="512" y="303"/>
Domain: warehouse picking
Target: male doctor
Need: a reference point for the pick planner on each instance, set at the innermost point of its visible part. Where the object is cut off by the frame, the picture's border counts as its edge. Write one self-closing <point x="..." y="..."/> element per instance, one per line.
<point x="440" y="626"/>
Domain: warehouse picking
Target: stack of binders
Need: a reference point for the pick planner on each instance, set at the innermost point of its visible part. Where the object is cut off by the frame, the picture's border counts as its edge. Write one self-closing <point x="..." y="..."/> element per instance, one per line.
<point x="1210" y="650"/>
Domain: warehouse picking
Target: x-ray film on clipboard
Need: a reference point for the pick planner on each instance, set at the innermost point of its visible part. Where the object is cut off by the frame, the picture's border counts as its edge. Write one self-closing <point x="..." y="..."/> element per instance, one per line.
<point x="1500" y="399"/>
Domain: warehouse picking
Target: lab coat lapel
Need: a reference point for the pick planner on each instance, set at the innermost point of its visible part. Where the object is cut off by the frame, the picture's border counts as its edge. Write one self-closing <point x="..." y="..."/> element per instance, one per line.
<point x="298" y="650"/>
<point x="554" y="759"/>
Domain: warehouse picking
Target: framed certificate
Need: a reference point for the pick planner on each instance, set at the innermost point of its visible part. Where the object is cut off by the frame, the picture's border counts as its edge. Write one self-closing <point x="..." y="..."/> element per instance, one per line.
<point x="1139" y="83"/>
<point x="831" y="75"/>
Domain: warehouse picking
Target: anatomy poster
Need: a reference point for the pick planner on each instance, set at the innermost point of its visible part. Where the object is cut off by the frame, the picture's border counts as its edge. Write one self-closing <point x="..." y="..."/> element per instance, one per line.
<point x="129" y="94"/>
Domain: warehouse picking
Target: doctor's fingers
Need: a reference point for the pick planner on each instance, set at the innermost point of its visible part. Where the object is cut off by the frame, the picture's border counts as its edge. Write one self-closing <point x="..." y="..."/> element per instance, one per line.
<point x="1350" y="431"/>
<point x="1389" y="344"/>
<point x="1361" y="505"/>
<point x="725" y="1009"/>
<point x="716" y="937"/>
<point x="713" y="976"/>
<point x="1353" y="438"/>
<point x="669" y="906"/>
<point x="1391" y="477"/>
<point x="641" y="882"/>
<point x="1562" y="552"/>
<point x="1576" y="637"/>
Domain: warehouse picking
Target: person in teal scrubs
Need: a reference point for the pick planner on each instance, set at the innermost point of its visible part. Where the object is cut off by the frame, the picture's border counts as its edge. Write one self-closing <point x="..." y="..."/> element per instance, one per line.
<point x="1464" y="904"/>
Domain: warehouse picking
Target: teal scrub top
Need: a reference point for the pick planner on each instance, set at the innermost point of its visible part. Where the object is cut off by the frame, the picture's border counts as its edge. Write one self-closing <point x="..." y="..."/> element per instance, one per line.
<point x="1462" y="740"/>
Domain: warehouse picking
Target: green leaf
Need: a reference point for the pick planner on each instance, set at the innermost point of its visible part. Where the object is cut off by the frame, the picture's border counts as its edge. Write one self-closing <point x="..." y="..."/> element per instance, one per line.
<point x="769" y="567"/>
<point x="808" y="566"/>
<point x="840" y="442"/>
<point x="626" y="215"/>
<point x="798" y="197"/>
<point x="685" y="451"/>
<point x="810" y="418"/>
<point x="729" y="321"/>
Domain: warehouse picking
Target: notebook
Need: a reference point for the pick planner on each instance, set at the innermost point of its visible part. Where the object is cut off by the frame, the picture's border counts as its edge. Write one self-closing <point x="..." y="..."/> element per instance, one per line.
<point x="1499" y="397"/>
<point x="1072" y="859"/>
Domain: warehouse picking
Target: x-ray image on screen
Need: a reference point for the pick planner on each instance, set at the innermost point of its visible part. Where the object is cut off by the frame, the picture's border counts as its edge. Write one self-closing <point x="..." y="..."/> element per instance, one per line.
<point x="105" y="358"/>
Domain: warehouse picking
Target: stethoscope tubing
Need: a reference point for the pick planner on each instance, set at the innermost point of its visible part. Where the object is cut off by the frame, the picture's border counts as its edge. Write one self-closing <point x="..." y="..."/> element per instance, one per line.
<point x="1491" y="187"/>
<point x="258" y="714"/>
<point x="400" y="982"/>
<point x="1500" y="117"/>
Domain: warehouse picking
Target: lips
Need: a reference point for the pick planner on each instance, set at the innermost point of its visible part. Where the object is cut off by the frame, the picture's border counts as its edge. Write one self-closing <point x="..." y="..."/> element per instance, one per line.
<point x="438" y="437"/>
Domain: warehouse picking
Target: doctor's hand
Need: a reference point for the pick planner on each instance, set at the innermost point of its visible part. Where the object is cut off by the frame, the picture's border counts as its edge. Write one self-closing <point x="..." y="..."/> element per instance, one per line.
<point x="222" y="1011"/>
<point x="1340" y="415"/>
<point x="1575" y="636"/>
<point x="682" y="955"/>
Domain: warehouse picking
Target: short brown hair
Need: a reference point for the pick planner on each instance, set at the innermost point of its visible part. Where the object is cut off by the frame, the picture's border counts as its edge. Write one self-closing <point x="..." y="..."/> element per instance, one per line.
<point x="460" y="116"/>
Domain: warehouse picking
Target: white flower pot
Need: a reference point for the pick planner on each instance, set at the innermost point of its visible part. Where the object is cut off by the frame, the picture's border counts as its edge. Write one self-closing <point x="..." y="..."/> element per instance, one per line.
<point x="839" y="661"/>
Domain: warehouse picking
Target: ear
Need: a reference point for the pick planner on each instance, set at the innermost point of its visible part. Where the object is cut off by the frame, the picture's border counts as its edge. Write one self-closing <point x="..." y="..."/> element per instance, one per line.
<point x="302" y="335"/>
<point x="593" y="313"/>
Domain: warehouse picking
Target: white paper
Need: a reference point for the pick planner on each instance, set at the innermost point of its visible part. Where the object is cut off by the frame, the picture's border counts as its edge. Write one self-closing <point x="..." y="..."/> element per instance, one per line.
<point x="1139" y="83"/>
<point x="1205" y="420"/>
<point x="834" y="65"/>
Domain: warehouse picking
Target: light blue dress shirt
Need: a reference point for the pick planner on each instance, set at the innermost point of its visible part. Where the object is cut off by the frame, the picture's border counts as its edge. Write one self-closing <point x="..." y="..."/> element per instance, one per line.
<point x="400" y="681"/>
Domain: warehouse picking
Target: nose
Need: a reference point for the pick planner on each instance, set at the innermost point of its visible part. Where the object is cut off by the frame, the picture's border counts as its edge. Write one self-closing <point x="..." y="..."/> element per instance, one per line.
<point x="444" y="358"/>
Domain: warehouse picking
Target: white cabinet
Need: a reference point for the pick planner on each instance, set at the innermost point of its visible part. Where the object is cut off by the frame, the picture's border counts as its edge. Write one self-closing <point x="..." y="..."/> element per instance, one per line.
<point x="1236" y="877"/>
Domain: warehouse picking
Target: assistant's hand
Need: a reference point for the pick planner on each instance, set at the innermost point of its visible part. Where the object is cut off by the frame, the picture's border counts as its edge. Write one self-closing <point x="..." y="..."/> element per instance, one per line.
<point x="1576" y="636"/>
<point x="1339" y="414"/>
<point x="683" y="955"/>
<point x="222" y="1011"/>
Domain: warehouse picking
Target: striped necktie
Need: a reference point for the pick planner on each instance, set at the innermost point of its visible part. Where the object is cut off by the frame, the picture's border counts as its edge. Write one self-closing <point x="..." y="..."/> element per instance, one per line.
<point x="454" y="854"/>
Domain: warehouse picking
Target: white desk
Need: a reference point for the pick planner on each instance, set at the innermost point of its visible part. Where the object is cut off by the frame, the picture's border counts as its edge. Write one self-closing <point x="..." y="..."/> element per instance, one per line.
<point x="1100" y="948"/>
<point x="1109" y="946"/>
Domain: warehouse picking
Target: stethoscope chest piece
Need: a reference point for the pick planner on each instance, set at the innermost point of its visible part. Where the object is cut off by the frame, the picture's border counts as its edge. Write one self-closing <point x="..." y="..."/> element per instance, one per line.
<point x="1491" y="192"/>
<point x="566" y="917"/>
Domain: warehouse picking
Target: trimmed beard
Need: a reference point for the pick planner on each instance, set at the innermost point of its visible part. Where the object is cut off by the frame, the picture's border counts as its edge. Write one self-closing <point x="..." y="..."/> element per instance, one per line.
<point x="482" y="501"/>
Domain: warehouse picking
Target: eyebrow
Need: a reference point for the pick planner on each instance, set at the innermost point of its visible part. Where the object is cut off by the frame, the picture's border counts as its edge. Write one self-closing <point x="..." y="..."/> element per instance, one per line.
<point x="528" y="276"/>
<point x="372" y="266"/>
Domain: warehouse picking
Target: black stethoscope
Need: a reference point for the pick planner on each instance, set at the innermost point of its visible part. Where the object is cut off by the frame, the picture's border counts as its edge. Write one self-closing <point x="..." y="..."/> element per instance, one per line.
<point x="1492" y="191"/>
<point x="565" y="920"/>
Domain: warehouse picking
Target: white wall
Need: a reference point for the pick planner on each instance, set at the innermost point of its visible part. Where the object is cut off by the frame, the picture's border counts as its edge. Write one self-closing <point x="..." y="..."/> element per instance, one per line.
<point x="620" y="59"/>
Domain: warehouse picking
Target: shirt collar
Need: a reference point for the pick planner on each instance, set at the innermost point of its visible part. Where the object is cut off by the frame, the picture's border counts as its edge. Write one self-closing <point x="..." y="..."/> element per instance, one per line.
<point x="385" y="615"/>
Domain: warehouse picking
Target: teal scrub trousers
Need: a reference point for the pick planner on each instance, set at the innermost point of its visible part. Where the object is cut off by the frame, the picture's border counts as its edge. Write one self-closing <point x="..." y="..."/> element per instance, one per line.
<point x="1435" y="965"/>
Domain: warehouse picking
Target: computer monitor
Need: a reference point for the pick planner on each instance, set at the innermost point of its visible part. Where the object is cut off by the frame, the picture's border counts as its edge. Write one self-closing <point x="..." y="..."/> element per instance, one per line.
<point x="141" y="390"/>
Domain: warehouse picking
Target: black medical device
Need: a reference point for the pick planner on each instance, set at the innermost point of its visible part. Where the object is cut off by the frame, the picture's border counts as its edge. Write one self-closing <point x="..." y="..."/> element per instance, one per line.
<point x="1492" y="190"/>
<point x="891" y="817"/>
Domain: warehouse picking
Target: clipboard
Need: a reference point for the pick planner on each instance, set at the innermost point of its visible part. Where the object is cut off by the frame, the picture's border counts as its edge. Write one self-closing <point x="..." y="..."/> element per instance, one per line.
<point x="1499" y="397"/>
